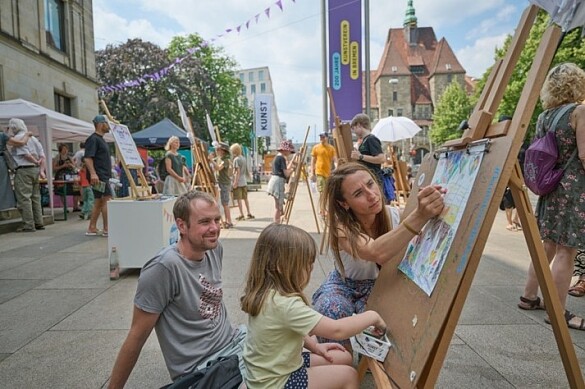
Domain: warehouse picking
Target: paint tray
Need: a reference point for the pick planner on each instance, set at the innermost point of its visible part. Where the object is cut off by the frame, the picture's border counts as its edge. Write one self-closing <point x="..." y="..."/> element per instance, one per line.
<point x="371" y="346"/>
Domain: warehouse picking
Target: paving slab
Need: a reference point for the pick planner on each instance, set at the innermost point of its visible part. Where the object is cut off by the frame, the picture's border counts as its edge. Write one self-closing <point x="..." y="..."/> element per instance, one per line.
<point x="94" y="274"/>
<point x="48" y="267"/>
<point x="12" y="288"/>
<point x="7" y="263"/>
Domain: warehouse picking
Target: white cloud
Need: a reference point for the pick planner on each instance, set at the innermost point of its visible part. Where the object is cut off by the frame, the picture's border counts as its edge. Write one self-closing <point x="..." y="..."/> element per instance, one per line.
<point x="476" y="58"/>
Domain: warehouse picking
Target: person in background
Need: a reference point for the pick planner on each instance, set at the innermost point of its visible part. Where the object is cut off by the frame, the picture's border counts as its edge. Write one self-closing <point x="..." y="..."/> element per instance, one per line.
<point x="560" y="213"/>
<point x="369" y="151"/>
<point x="174" y="182"/>
<point x="186" y="172"/>
<point x="7" y="197"/>
<point x="79" y="155"/>
<point x="281" y="321"/>
<point x="281" y="171"/>
<point x="224" y="172"/>
<point x="64" y="169"/>
<point x="86" y="193"/>
<point x="98" y="162"/>
<point x="30" y="160"/>
<point x="323" y="160"/>
<point x="180" y="295"/>
<point x="240" y="181"/>
<point x="364" y="234"/>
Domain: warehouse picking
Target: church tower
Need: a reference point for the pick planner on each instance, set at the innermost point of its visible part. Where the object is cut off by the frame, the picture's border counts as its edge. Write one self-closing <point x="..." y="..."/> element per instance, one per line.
<point x="410" y="24"/>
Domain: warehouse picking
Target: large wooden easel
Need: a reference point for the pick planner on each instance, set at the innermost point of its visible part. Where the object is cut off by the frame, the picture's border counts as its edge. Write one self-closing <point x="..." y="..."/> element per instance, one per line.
<point x="130" y="160"/>
<point x="298" y="174"/>
<point x="421" y="331"/>
<point x="400" y="177"/>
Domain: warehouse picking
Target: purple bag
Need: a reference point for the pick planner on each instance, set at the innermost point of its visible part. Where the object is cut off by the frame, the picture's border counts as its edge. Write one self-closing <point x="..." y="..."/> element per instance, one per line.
<point x="540" y="174"/>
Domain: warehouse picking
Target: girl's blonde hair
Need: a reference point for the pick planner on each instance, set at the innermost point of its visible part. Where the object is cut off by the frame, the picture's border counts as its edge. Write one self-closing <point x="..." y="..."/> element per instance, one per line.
<point x="565" y="83"/>
<point x="171" y="140"/>
<point x="236" y="150"/>
<point x="344" y="220"/>
<point x="281" y="261"/>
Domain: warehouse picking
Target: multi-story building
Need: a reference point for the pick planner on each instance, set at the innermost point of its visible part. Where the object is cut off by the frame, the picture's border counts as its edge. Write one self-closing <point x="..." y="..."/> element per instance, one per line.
<point x="414" y="71"/>
<point x="47" y="55"/>
<point x="258" y="81"/>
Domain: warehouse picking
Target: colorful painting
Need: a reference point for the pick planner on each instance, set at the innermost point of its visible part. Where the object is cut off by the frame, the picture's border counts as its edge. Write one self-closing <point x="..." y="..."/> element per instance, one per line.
<point x="426" y="253"/>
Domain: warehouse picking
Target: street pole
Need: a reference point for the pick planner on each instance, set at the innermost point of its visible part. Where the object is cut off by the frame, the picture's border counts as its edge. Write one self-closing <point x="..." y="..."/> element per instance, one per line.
<point x="324" y="63"/>
<point x="367" y="54"/>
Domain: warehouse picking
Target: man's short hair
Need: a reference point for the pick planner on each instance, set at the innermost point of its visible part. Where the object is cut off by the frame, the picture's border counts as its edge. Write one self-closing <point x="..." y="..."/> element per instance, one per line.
<point x="182" y="207"/>
<point x="361" y="119"/>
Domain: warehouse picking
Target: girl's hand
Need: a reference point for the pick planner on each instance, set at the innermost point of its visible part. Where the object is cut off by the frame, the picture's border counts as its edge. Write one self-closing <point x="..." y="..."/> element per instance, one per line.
<point x="323" y="349"/>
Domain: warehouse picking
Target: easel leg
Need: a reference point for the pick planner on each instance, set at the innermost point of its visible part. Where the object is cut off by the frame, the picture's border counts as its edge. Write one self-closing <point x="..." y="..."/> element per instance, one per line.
<point x="547" y="285"/>
<point x="304" y="172"/>
<point x="380" y="377"/>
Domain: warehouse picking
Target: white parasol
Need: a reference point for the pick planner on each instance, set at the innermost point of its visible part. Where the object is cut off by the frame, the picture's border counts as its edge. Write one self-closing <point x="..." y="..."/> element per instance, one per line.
<point x="394" y="128"/>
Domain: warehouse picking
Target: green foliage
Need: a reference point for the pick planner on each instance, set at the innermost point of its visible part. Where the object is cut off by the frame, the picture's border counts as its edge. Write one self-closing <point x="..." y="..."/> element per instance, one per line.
<point x="204" y="81"/>
<point x="215" y="90"/>
<point x="572" y="49"/>
<point x="453" y="107"/>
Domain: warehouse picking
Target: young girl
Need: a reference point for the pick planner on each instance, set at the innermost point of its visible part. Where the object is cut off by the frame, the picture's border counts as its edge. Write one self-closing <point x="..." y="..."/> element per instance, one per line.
<point x="281" y="321"/>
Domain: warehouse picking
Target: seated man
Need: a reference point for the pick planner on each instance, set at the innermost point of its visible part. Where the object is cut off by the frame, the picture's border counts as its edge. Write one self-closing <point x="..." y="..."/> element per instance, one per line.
<point x="179" y="295"/>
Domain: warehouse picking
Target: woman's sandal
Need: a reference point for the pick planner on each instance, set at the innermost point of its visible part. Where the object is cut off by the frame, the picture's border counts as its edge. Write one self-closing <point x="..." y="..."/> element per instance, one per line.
<point x="568" y="317"/>
<point x="530" y="305"/>
<point x="578" y="289"/>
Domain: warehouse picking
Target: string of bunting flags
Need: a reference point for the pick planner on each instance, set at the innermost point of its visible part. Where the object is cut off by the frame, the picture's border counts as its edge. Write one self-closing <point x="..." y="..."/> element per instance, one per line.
<point x="156" y="76"/>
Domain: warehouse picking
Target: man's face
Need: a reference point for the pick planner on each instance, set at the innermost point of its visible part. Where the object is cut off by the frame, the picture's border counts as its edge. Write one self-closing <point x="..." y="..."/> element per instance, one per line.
<point x="202" y="234"/>
<point x="358" y="130"/>
<point x="323" y="139"/>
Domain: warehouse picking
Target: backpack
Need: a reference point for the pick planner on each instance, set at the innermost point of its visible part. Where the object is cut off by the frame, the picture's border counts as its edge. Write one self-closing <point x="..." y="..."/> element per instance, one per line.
<point x="161" y="169"/>
<point x="540" y="159"/>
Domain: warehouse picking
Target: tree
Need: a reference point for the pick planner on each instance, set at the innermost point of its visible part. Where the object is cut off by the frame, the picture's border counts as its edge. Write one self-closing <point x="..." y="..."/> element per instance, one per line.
<point x="453" y="107"/>
<point x="216" y="90"/>
<point x="204" y="81"/>
<point x="572" y="49"/>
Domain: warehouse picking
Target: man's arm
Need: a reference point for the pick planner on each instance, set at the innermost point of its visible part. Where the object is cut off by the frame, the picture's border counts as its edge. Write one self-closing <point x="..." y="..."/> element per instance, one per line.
<point x="19" y="142"/>
<point x="93" y="177"/>
<point x="142" y="325"/>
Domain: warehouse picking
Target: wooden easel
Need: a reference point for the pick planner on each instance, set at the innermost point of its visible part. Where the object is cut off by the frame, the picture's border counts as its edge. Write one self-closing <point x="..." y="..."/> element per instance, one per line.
<point x="298" y="174"/>
<point x="426" y="359"/>
<point x="203" y="178"/>
<point x="400" y="177"/>
<point x="142" y="191"/>
<point x="343" y="145"/>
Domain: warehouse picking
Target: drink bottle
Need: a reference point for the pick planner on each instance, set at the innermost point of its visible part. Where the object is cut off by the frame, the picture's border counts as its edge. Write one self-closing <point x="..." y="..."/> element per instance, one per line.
<point x="114" y="264"/>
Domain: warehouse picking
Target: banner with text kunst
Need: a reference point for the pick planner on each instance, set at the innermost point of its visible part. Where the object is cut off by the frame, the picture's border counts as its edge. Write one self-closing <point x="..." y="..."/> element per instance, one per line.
<point x="263" y="115"/>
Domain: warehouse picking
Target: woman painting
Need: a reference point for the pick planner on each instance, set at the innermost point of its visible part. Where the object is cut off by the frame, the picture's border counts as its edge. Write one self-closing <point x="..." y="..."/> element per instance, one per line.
<point x="363" y="236"/>
<point x="561" y="213"/>
<point x="281" y="171"/>
<point x="174" y="182"/>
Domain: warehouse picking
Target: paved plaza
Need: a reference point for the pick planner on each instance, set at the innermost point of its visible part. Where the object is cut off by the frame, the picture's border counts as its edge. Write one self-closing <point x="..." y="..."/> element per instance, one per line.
<point x="62" y="321"/>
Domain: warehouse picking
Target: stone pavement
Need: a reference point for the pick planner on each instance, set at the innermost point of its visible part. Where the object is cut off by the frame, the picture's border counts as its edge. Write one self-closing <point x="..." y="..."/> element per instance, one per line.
<point x="62" y="321"/>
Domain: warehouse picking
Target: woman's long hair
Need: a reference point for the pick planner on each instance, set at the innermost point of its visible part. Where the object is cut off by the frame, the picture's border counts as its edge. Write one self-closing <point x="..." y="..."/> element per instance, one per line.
<point x="344" y="220"/>
<point x="281" y="261"/>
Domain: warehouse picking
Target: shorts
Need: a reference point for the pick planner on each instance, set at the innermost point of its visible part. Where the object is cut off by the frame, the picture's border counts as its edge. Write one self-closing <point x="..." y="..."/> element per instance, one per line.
<point x="241" y="193"/>
<point x="106" y="193"/>
<point x="299" y="379"/>
<point x="321" y="183"/>
<point x="224" y="194"/>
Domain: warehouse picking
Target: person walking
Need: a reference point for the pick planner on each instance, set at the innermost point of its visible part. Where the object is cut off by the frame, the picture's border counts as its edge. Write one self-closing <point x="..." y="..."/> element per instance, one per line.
<point x="323" y="160"/>
<point x="281" y="171"/>
<point x="560" y="213"/>
<point x="99" y="171"/>
<point x="240" y="185"/>
<point x="30" y="161"/>
<point x="224" y="179"/>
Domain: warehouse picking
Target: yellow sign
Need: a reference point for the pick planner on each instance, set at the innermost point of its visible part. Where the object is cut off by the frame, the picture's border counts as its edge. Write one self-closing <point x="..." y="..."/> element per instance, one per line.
<point x="354" y="67"/>
<point x="344" y="42"/>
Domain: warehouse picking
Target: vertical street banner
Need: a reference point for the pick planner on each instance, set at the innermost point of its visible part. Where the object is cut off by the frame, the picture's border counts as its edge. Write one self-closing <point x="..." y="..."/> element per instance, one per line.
<point x="345" y="47"/>
<point x="263" y="114"/>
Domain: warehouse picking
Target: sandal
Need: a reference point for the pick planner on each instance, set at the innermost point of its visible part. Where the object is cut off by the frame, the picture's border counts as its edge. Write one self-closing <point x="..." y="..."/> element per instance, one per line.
<point x="511" y="227"/>
<point x="578" y="289"/>
<point x="250" y="216"/>
<point x="518" y="226"/>
<point x="240" y="218"/>
<point x="568" y="317"/>
<point x="530" y="305"/>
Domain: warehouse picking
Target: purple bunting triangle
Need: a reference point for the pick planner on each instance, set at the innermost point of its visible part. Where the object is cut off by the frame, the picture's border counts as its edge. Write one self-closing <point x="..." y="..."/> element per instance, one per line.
<point x="279" y="4"/>
<point x="267" y="12"/>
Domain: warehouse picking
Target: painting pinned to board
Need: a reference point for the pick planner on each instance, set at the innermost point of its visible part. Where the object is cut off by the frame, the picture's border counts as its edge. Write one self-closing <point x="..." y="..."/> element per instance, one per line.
<point x="426" y="253"/>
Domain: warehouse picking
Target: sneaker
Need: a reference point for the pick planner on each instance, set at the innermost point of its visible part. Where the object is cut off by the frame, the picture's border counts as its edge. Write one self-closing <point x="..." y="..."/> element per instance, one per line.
<point x="22" y="229"/>
<point x="39" y="227"/>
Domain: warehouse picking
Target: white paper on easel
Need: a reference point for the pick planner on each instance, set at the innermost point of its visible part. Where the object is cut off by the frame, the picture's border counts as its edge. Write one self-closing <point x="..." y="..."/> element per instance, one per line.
<point x="126" y="145"/>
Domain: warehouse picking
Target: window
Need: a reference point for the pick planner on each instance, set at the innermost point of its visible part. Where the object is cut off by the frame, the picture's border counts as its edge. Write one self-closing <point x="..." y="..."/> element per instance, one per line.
<point x="448" y="66"/>
<point x="55" y="31"/>
<point x="399" y="112"/>
<point x="252" y="88"/>
<point x="417" y="69"/>
<point x="62" y="104"/>
<point x="260" y="75"/>
<point x="242" y="78"/>
<point x="251" y="77"/>
<point x="449" y="78"/>
<point x="263" y="87"/>
<point x="394" y="96"/>
<point x="390" y="112"/>
<point x="243" y="90"/>
<point x="394" y="69"/>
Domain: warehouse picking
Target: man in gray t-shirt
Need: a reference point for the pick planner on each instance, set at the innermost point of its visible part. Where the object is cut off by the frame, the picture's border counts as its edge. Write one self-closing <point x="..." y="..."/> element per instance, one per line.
<point x="180" y="295"/>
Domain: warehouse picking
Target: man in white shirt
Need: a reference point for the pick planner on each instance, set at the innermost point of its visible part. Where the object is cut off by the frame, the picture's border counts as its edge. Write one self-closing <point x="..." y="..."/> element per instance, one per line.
<point x="30" y="159"/>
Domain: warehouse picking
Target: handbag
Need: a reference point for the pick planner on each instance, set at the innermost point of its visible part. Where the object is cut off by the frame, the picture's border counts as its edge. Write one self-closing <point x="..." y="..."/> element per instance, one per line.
<point x="221" y="373"/>
<point x="10" y="162"/>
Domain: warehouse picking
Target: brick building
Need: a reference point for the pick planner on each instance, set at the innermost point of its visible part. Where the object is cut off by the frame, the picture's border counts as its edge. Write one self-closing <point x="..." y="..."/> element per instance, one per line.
<point x="412" y="74"/>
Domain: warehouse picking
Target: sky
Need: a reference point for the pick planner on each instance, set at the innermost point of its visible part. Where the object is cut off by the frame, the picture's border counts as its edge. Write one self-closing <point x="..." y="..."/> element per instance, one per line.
<point x="289" y="41"/>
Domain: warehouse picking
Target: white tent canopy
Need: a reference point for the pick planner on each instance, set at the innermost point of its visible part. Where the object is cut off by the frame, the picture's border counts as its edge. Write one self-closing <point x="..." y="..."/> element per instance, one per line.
<point x="48" y="125"/>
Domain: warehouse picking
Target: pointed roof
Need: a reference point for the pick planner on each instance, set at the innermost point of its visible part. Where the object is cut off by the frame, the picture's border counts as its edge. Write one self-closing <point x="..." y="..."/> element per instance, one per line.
<point x="410" y="17"/>
<point x="445" y="60"/>
<point x="157" y="135"/>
